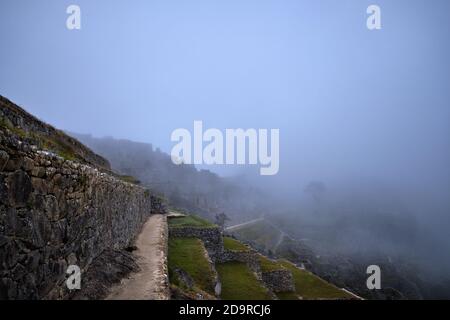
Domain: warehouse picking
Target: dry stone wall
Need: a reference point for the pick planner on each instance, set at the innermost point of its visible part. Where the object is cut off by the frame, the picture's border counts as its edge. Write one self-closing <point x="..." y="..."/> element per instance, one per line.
<point x="54" y="213"/>
<point x="278" y="280"/>
<point x="211" y="237"/>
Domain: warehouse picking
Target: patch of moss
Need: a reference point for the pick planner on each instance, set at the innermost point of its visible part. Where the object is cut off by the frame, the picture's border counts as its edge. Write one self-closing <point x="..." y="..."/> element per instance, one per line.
<point x="66" y="155"/>
<point x="234" y="245"/>
<point x="239" y="283"/>
<point x="188" y="254"/>
<point x="5" y="123"/>
<point x="53" y="143"/>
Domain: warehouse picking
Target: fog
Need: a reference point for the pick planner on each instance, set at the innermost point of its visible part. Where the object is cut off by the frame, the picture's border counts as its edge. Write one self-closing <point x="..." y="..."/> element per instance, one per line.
<point x="366" y="113"/>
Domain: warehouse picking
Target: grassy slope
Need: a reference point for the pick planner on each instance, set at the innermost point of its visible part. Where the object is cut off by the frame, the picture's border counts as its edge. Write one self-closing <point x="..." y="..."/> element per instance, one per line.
<point x="188" y="254"/>
<point x="189" y="221"/>
<point x="268" y="265"/>
<point x="233" y="244"/>
<point x="260" y="233"/>
<point x="310" y="286"/>
<point x="239" y="283"/>
<point x="45" y="136"/>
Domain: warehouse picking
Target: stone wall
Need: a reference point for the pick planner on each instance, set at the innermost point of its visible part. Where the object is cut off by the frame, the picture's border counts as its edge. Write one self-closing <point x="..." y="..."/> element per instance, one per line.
<point x="248" y="257"/>
<point x="211" y="237"/>
<point x="54" y="213"/>
<point x="278" y="280"/>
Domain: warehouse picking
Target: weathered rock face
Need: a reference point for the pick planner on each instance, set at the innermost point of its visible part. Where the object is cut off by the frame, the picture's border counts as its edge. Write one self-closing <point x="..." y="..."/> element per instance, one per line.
<point x="54" y="213"/>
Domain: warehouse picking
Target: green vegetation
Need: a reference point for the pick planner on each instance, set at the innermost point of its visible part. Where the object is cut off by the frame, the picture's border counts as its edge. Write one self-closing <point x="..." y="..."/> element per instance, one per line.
<point x="288" y="295"/>
<point x="55" y="143"/>
<point x="188" y="254"/>
<point x="232" y="244"/>
<point x="309" y="286"/>
<point x="66" y="156"/>
<point x="4" y="122"/>
<point x="239" y="283"/>
<point x="268" y="265"/>
<point x="189" y="221"/>
<point x="129" y="179"/>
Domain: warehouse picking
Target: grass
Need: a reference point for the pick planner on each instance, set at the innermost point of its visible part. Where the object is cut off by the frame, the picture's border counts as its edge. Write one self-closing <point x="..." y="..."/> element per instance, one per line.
<point x="309" y="286"/>
<point x="260" y="233"/>
<point x="188" y="254"/>
<point x="54" y="143"/>
<point x="67" y="155"/>
<point x="239" y="283"/>
<point x="189" y="221"/>
<point x="268" y="265"/>
<point x="287" y="295"/>
<point x="234" y="245"/>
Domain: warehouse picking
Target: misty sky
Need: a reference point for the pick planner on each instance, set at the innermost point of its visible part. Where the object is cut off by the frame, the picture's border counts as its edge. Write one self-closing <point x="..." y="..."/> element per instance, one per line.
<point x="350" y="103"/>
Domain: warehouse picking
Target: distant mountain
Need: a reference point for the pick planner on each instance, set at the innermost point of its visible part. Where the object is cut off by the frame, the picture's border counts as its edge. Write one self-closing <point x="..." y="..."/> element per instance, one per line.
<point x="185" y="187"/>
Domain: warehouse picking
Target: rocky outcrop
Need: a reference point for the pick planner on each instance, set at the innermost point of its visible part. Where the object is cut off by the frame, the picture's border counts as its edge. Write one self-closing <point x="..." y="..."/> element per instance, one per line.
<point x="56" y="212"/>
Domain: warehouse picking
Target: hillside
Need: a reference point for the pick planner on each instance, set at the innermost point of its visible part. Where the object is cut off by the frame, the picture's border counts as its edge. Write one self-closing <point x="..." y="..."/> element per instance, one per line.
<point x="274" y="237"/>
<point x="63" y="206"/>
<point x="204" y="264"/>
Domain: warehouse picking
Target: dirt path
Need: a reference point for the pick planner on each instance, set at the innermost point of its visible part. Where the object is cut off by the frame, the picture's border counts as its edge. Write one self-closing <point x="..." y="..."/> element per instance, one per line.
<point x="237" y="226"/>
<point x="151" y="282"/>
<point x="279" y="241"/>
